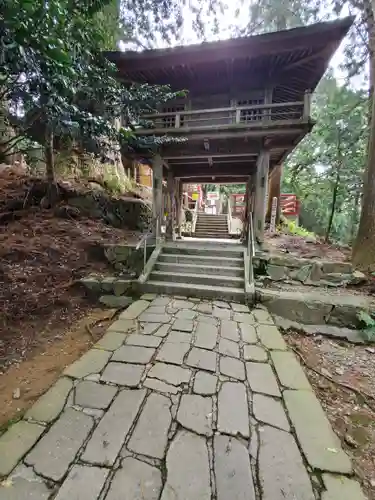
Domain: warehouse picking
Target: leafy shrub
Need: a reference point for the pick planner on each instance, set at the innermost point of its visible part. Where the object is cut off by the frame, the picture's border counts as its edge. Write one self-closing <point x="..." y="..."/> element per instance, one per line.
<point x="367" y="325"/>
<point x="293" y="228"/>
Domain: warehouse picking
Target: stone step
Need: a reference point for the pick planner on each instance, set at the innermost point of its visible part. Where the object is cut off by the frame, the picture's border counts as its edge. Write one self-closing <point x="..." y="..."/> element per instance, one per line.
<point x="205" y="249"/>
<point x="199" y="269"/>
<point x="192" y="279"/>
<point x="211" y="229"/>
<point x="206" y="260"/>
<point x="221" y="236"/>
<point x="203" y="291"/>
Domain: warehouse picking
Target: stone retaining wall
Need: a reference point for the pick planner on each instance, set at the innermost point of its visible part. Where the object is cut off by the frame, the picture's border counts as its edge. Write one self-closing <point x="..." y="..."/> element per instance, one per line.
<point x="290" y="269"/>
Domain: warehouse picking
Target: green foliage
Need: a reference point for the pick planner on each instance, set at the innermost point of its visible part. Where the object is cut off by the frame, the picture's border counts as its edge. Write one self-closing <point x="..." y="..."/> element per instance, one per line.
<point x="57" y="84"/>
<point x="293" y="228"/>
<point x="332" y="157"/>
<point x="367" y="323"/>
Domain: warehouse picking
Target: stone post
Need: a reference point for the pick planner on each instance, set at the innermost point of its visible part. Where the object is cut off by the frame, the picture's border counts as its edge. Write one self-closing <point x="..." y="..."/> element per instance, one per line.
<point x="157" y="194"/>
<point x="261" y="182"/>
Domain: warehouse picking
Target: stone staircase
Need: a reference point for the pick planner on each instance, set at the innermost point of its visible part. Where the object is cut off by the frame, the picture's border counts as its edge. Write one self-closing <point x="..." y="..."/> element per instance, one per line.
<point x="211" y="226"/>
<point x="200" y="270"/>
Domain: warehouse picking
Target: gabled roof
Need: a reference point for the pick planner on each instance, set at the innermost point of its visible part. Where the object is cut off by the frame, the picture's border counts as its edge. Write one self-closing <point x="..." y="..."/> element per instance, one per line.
<point x="292" y="61"/>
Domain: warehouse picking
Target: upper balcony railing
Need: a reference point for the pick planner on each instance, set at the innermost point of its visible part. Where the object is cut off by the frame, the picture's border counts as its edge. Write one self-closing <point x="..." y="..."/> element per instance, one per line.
<point x="259" y="115"/>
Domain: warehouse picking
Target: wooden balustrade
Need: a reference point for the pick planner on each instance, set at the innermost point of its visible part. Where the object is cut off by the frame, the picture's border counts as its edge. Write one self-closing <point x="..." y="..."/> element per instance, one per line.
<point x="251" y="115"/>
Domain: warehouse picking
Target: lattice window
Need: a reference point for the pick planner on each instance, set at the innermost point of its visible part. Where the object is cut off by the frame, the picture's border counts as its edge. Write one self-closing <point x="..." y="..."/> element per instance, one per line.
<point x="170" y="121"/>
<point x="250" y="115"/>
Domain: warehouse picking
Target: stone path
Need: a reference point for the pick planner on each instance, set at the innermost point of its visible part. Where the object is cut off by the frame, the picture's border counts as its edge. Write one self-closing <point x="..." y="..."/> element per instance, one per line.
<point x="180" y="400"/>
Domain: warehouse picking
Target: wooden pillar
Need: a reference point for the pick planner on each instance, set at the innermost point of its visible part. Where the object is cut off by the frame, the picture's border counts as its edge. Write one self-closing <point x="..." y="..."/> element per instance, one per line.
<point x="260" y="194"/>
<point x="179" y="203"/>
<point x="170" y="204"/>
<point x="157" y="194"/>
<point x="274" y="188"/>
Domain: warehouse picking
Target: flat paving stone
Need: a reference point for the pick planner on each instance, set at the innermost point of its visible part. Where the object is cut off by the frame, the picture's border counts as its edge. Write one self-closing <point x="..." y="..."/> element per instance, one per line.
<point x="50" y="405"/>
<point x="289" y="371"/>
<point x="162" y="331"/>
<point x="93" y="361"/>
<point x="149" y="296"/>
<point x="341" y="488"/>
<point x="176" y="337"/>
<point x="270" y="411"/>
<point x="183" y="304"/>
<point x="221" y="303"/>
<point x="109" y="436"/>
<point x="229" y="348"/>
<point x="143" y="340"/>
<point x="196" y="413"/>
<point x="160" y="386"/>
<point x="247" y="318"/>
<point x="205" y="336"/>
<point x="83" y="483"/>
<point x="135" y="309"/>
<point x="175" y="375"/>
<point x="205" y="383"/>
<point x="173" y="353"/>
<point x="262" y="379"/>
<point x="111" y="341"/>
<point x="204" y="307"/>
<point x="319" y="443"/>
<point x="16" y="442"/>
<point x="188" y="470"/>
<point x="122" y="326"/>
<point x="254" y="353"/>
<point x="270" y="337"/>
<point x="93" y="395"/>
<point x="183" y="325"/>
<point x="233" y="411"/>
<point x="150" y="436"/>
<point x="220" y="313"/>
<point x="22" y="489"/>
<point x="281" y="470"/>
<point x="135" y="480"/>
<point x="150" y="328"/>
<point x="240" y="308"/>
<point x="232" y="367"/>
<point x="155" y="318"/>
<point x="263" y="316"/>
<point x="133" y="354"/>
<point x="248" y="333"/>
<point x="229" y="330"/>
<point x="202" y="318"/>
<point x="54" y="453"/>
<point x="201" y="358"/>
<point x="124" y="374"/>
<point x="161" y="301"/>
<point x="186" y="314"/>
<point x="156" y="310"/>
<point x="232" y="470"/>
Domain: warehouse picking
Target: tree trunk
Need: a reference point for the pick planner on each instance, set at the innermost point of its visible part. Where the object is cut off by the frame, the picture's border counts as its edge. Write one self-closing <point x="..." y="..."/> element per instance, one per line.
<point x="333" y="206"/>
<point x="52" y="195"/>
<point x="364" y="247"/>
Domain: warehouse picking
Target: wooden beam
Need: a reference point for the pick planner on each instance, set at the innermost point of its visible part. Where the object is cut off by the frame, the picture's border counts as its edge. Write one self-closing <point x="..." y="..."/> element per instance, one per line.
<point x="226" y="155"/>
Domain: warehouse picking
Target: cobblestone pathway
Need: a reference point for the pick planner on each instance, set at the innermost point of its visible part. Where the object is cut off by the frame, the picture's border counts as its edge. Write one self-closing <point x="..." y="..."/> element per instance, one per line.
<point x="180" y="400"/>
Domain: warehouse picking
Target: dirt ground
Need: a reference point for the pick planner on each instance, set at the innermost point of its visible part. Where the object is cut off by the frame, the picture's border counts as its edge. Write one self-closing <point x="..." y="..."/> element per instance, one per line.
<point x="41" y="259"/>
<point x="42" y="304"/>
<point x="351" y="412"/>
<point x="299" y="246"/>
<point x="25" y="381"/>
